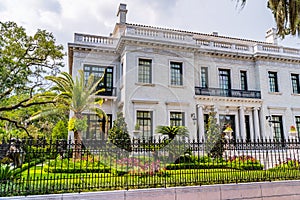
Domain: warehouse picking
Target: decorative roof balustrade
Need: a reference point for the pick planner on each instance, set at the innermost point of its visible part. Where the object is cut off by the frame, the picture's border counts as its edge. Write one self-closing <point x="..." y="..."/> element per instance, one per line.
<point x="95" y="40"/>
<point x="198" y="40"/>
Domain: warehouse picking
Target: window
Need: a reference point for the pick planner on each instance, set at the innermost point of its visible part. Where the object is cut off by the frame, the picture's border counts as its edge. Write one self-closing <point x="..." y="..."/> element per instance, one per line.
<point x="295" y="83"/>
<point x="144" y="119"/>
<point x="224" y="82"/>
<point x="277" y="127"/>
<point x="204" y="77"/>
<point x="176" y="73"/>
<point x="298" y="124"/>
<point x="97" y="127"/>
<point x="224" y="79"/>
<point x="98" y="71"/>
<point x="273" y="82"/>
<point x="121" y="71"/>
<point x="145" y="71"/>
<point x="244" y="84"/>
<point x="176" y="119"/>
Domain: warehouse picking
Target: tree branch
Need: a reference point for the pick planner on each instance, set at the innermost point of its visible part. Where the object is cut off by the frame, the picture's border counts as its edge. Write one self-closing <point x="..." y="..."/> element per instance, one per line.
<point x="7" y="92"/>
<point x="16" y="124"/>
<point x="22" y="105"/>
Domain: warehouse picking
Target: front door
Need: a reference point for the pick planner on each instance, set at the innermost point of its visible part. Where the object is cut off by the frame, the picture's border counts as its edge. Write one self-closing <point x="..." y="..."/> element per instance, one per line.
<point x="247" y="126"/>
<point x="226" y="120"/>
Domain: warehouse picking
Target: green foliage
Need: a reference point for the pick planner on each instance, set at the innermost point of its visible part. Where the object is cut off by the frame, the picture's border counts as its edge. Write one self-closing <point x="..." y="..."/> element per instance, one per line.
<point x="77" y="95"/>
<point x="86" y="165"/>
<point x="214" y="141"/>
<point x="172" y="131"/>
<point x="286" y="15"/>
<point x="118" y="134"/>
<point x="26" y="166"/>
<point x="60" y="131"/>
<point x="6" y="174"/>
<point x="287" y="164"/>
<point x="185" y="159"/>
<point x="212" y="165"/>
<point x="76" y="124"/>
<point x="205" y="162"/>
<point x="245" y="163"/>
<point x="24" y="62"/>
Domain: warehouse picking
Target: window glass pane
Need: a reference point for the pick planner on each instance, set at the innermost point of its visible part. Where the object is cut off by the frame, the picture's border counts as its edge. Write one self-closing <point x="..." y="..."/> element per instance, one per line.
<point x="176" y="73"/>
<point x="97" y="127"/>
<point x="277" y="127"/>
<point x="273" y="82"/>
<point x="176" y="119"/>
<point x="144" y="119"/>
<point x="244" y="84"/>
<point x="99" y="71"/>
<point x="295" y="83"/>
<point x="224" y="79"/>
<point x="298" y="124"/>
<point x="204" y="77"/>
<point x="144" y="71"/>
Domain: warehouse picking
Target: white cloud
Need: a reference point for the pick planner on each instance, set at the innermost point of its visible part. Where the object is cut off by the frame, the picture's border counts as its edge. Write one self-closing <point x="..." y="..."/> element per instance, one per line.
<point x="65" y="17"/>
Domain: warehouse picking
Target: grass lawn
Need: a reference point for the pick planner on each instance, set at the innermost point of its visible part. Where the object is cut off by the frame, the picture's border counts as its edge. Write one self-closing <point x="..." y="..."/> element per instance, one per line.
<point x="38" y="181"/>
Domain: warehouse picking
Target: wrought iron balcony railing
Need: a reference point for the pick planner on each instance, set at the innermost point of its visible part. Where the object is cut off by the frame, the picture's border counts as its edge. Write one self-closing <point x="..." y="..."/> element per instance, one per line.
<point x="108" y="91"/>
<point x="227" y="92"/>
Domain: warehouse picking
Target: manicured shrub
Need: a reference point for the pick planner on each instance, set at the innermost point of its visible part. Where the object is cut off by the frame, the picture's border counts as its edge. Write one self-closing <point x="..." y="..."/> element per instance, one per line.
<point x="245" y="162"/>
<point x="118" y="134"/>
<point x="196" y="166"/>
<point x="205" y="162"/>
<point x="76" y="170"/>
<point x="288" y="164"/>
<point x="185" y="159"/>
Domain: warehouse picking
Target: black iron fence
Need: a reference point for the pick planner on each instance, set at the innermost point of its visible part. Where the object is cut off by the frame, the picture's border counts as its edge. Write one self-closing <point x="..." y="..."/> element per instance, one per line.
<point x="42" y="166"/>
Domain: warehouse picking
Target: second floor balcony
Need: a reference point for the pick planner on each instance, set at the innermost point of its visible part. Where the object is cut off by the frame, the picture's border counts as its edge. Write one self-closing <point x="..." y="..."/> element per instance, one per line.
<point x="108" y="91"/>
<point x="227" y="92"/>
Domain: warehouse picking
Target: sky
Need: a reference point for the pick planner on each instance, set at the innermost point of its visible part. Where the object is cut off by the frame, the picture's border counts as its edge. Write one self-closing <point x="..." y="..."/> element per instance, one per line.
<point x="98" y="17"/>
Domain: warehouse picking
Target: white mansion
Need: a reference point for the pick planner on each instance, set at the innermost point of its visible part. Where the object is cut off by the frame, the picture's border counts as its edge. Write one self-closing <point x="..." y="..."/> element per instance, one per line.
<point x="158" y="76"/>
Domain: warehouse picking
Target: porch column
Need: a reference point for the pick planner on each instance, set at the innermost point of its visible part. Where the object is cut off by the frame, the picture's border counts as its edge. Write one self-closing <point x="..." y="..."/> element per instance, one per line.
<point x="200" y="122"/>
<point x="242" y="122"/>
<point x="217" y="114"/>
<point x="256" y="123"/>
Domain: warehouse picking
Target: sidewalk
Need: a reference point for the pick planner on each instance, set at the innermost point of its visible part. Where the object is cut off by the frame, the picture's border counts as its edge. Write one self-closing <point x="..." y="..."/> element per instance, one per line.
<point x="281" y="190"/>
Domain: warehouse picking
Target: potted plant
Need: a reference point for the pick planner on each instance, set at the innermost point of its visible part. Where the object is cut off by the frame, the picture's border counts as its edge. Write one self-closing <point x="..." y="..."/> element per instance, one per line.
<point x="137" y="131"/>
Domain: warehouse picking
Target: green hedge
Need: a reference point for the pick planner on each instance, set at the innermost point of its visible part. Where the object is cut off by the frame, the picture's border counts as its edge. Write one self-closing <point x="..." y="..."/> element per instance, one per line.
<point x="77" y="170"/>
<point x="222" y="165"/>
<point x="196" y="166"/>
<point x="25" y="166"/>
<point x="246" y="166"/>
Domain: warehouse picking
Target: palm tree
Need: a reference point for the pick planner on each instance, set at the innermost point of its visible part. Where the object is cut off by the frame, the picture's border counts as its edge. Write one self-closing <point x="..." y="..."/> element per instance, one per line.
<point x="172" y="131"/>
<point x="78" y="96"/>
<point x="286" y="14"/>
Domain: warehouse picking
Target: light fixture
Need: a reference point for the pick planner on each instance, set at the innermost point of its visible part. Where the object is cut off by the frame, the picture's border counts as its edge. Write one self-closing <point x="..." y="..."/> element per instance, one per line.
<point x="228" y="132"/>
<point x="194" y="118"/>
<point x="293" y="132"/>
<point x="269" y="119"/>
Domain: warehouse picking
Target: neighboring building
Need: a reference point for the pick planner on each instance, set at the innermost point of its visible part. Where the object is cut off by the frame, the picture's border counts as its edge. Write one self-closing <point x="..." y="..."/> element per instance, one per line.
<point x="159" y="76"/>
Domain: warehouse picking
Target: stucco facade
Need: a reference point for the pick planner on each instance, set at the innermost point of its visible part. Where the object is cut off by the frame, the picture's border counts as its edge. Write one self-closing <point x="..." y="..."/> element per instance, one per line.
<point x="158" y="76"/>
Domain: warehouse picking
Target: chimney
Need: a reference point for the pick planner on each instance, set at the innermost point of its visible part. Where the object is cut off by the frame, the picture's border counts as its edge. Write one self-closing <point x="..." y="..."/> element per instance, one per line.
<point x="122" y="13"/>
<point x="215" y="33"/>
<point x="271" y="36"/>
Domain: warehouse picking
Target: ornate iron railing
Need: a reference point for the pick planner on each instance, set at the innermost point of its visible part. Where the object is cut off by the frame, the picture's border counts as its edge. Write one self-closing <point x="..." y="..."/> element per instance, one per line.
<point x="227" y="92"/>
<point x="45" y="166"/>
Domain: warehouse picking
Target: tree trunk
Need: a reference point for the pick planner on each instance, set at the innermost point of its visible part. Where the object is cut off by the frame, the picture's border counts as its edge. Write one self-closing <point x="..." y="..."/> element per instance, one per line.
<point x="78" y="145"/>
